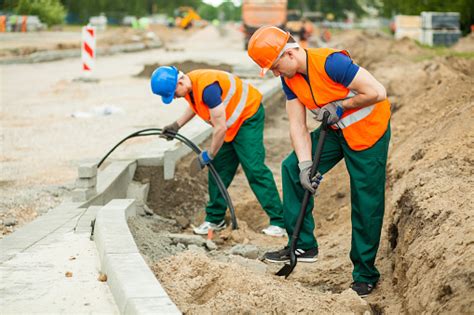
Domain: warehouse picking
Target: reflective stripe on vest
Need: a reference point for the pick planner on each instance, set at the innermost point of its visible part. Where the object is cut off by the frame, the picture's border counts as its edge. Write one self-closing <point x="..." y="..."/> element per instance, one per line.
<point x="354" y="117"/>
<point x="231" y="92"/>
<point x="241" y="105"/>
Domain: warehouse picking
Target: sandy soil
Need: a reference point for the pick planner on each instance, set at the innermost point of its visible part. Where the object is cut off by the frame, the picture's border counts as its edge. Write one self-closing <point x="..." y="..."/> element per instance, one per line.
<point x="426" y="256"/>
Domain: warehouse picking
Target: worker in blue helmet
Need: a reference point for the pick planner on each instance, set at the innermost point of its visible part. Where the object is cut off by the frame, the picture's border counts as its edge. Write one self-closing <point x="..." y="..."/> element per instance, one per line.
<point x="234" y="109"/>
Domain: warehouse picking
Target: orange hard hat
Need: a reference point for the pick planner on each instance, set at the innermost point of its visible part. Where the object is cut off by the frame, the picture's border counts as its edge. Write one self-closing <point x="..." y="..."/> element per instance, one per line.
<point x="266" y="45"/>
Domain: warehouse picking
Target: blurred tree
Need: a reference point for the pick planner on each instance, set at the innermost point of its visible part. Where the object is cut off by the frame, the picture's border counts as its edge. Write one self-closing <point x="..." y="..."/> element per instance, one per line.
<point x="336" y="7"/>
<point x="230" y="11"/>
<point x="51" y="12"/>
<point x="207" y="11"/>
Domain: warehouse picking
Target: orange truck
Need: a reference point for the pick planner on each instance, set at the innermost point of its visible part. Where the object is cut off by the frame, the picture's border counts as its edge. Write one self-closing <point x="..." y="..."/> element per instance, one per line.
<point x="256" y="13"/>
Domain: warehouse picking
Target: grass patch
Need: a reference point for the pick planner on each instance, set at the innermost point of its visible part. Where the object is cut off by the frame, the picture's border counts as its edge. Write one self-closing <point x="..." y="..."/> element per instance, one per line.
<point x="437" y="51"/>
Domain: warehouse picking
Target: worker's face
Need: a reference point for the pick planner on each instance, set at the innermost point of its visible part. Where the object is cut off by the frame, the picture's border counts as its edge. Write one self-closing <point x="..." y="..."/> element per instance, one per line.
<point x="181" y="90"/>
<point x="286" y="66"/>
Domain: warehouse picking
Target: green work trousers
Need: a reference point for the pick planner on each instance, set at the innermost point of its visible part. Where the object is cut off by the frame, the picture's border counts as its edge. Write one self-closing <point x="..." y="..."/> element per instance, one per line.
<point x="367" y="177"/>
<point x="248" y="150"/>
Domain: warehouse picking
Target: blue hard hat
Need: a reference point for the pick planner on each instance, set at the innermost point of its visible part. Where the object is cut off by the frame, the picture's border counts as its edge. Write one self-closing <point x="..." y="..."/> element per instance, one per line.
<point x="163" y="82"/>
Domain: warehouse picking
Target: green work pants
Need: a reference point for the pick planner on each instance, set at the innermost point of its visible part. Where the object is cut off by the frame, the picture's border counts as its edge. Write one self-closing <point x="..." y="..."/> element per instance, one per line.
<point x="367" y="177"/>
<point x="248" y="150"/>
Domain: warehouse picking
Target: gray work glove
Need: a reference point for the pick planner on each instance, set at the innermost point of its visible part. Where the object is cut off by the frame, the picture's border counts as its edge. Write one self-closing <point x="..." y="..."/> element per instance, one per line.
<point x="335" y="111"/>
<point x="203" y="159"/>
<point x="174" y="127"/>
<point x="310" y="184"/>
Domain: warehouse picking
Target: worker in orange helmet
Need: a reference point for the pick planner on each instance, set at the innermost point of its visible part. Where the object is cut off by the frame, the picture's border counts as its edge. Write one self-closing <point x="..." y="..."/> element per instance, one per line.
<point x="326" y="80"/>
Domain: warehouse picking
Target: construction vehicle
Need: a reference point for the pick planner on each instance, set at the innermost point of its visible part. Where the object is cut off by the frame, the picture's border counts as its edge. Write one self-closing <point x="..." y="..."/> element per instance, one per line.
<point x="185" y="17"/>
<point x="256" y="13"/>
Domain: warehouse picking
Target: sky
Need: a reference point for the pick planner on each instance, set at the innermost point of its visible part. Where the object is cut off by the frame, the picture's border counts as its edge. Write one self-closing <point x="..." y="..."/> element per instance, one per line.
<point x="217" y="2"/>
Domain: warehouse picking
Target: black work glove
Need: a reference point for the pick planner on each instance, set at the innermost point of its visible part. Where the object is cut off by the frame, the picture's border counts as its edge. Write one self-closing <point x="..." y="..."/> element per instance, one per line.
<point x="174" y="127"/>
<point x="200" y="162"/>
<point x="310" y="184"/>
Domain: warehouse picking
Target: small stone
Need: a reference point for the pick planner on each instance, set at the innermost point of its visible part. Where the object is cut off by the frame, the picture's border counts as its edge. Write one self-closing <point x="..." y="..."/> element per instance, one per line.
<point x="10" y="222"/>
<point x="147" y="210"/>
<point x="183" y="222"/>
<point x="187" y="239"/>
<point x="247" y="251"/>
<point x="340" y="194"/>
<point x="331" y="217"/>
<point x="102" y="277"/>
<point x="211" y="245"/>
<point x="68" y="274"/>
<point x="196" y="249"/>
<point x="180" y="246"/>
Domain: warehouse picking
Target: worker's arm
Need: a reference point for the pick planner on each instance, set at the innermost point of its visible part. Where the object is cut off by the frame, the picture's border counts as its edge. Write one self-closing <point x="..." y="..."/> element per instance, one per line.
<point x="301" y="141"/>
<point x="219" y="128"/>
<point x="187" y="116"/>
<point x="369" y="91"/>
<point x="299" y="133"/>
<point x="218" y="136"/>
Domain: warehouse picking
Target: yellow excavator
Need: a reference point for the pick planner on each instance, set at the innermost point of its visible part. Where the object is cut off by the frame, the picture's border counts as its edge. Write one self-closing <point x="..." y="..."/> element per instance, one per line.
<point x="185" y="17"/>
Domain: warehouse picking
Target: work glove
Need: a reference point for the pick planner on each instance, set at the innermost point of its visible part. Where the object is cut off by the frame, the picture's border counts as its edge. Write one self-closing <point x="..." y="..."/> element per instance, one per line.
<point x="174" y="127"/>
<point x="203" y="159"/>
<point x="335" y="111"/>
<point x="310" y="184"/>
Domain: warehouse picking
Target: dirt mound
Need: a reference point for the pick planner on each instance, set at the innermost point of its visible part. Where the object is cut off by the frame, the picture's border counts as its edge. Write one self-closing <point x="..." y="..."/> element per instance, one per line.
<point x="185" y="66"/>
<point x="465" y="44"/>
<point x="369" y="48"/>
<point x="430" y="207"/>
<point x="199" y="285"/>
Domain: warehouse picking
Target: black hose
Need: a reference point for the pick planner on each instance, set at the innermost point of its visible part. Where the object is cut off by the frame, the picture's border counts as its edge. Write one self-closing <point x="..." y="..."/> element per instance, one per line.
<point x="192" y="146"/>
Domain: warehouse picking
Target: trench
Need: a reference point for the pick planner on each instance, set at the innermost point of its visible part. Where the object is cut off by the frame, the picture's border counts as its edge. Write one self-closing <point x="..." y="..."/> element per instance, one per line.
<point x="426" y="251"/>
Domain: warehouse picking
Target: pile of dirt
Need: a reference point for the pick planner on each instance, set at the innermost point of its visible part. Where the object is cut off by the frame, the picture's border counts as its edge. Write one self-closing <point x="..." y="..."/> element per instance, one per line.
<point x="184" y="66"/>
<point x="428" y="249"/>
<point x="465" y="44"/>
<point x="200" y="285"/>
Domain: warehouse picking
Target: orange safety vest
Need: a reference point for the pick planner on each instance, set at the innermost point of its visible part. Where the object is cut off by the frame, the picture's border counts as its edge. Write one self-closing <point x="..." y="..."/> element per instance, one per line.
<point x="361" y="127"/>
<point x="241" y="100"/>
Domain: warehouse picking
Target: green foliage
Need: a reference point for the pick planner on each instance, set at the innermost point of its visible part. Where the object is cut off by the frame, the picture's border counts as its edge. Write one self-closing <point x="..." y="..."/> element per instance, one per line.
<point x="207" y="12"/>
<point x="336" y="7"/>
<point x="50" y="12"/>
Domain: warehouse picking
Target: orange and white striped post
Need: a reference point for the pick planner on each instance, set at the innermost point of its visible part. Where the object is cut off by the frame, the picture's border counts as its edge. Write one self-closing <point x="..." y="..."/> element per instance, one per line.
<point x="88" y="49"/>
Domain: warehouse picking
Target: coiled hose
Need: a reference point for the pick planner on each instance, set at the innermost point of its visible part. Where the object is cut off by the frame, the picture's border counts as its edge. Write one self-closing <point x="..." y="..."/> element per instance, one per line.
<point x="192" y="146"/>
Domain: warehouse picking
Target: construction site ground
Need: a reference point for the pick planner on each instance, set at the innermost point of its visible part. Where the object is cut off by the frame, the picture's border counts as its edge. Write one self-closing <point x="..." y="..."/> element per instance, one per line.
<point x="426" y="256"/>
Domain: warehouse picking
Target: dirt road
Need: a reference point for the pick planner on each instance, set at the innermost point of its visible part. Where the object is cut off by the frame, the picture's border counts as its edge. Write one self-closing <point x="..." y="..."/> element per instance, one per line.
<point x="426" y="256"/>
<point x="50" y="123"/>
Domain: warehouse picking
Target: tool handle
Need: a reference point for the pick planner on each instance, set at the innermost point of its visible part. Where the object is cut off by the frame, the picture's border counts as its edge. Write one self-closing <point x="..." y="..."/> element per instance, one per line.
<point x="307" y="194"/>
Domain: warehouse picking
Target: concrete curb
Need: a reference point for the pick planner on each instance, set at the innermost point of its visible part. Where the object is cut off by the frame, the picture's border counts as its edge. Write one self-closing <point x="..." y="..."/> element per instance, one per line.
<point x="133" y="285"/>
<point x="53" y="55"/>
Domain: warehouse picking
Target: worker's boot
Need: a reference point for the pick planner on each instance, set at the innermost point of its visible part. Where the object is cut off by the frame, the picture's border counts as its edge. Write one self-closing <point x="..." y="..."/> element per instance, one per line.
<point x="362" y="288"/>
<point x="281" y="256"/>
<point x="206" y="226"/>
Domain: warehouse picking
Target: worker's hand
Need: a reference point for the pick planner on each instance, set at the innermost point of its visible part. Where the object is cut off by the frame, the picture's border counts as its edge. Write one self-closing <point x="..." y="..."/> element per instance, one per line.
<point x="335" y="111"/>
<point x="174" y="127"/>
<point x="200" y="162"/>
<point x="310" y="184"/>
